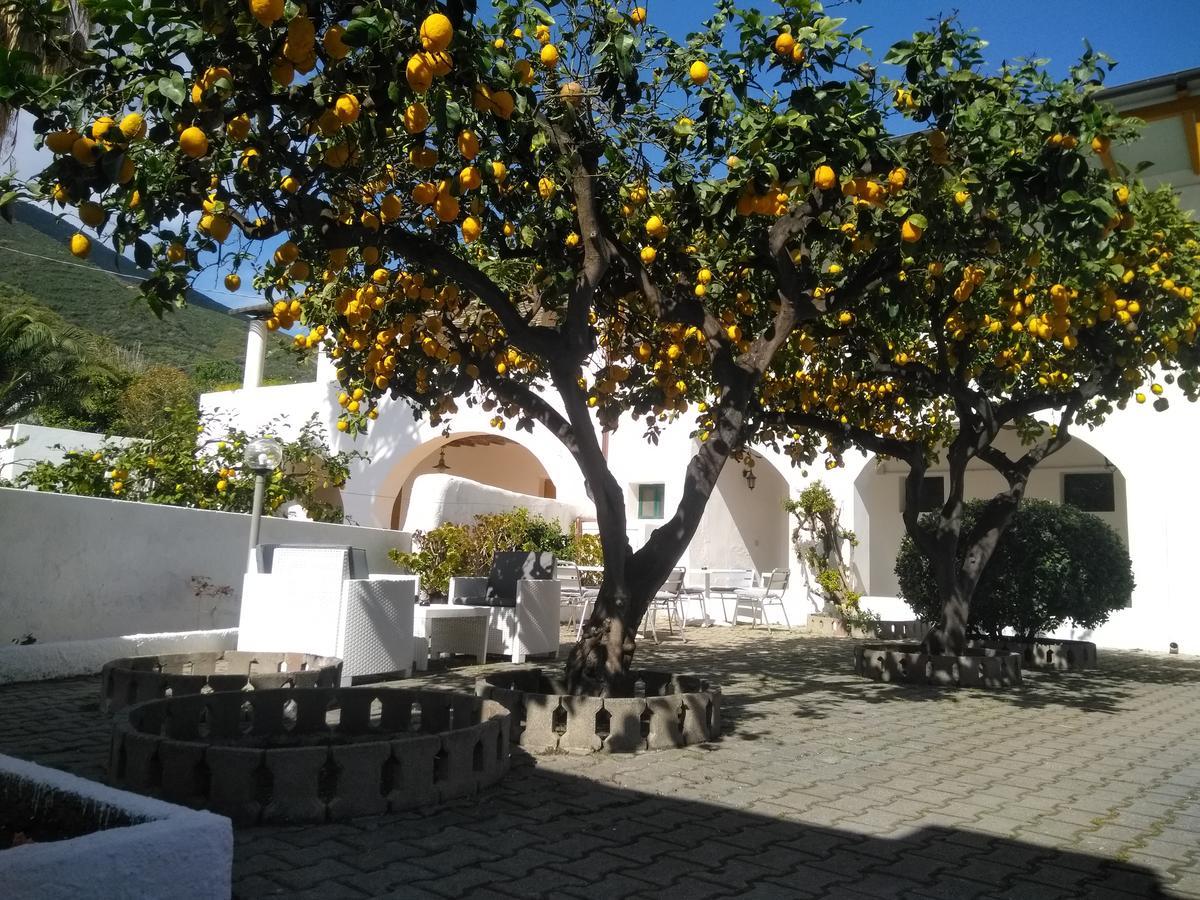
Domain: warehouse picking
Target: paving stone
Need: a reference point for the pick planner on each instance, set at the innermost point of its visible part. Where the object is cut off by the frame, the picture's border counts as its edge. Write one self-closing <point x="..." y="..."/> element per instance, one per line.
<point x="786" y="805"/>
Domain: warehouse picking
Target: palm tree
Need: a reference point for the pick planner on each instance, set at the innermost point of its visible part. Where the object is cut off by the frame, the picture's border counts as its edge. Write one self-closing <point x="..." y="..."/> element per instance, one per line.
<point x="45" y="361"/>
<point x="38" y="38"/>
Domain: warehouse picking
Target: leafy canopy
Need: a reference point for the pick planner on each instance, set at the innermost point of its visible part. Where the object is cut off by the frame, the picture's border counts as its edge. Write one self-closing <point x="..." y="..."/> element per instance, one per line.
<point x="561" y="194"/>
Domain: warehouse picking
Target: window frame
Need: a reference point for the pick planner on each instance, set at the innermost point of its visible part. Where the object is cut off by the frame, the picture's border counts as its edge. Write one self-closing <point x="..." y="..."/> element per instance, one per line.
<point x="1110" y="494"/>
<point x="657" y="500"/>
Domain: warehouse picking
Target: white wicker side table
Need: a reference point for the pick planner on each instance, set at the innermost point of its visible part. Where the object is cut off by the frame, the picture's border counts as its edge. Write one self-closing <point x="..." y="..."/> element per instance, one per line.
<point x="446" y="628"/>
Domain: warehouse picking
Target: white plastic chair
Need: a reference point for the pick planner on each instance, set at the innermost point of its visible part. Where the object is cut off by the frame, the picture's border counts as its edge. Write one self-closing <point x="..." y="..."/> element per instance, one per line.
<point x="752" y="603"/>
<point x="669" y="599"/>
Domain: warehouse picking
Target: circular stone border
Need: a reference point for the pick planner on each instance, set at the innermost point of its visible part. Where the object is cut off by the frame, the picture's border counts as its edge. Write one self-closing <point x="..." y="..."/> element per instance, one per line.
<point x="310" y="754"/>
<point x="675" y="711"/>
<point x="911" y="663"/>
<point x="1047" y="654"/>
<point x="135" y="679"/>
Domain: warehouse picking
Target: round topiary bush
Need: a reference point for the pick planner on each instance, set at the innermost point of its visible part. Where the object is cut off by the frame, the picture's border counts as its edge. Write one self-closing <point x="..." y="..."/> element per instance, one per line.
<point x="1055" y="564"/>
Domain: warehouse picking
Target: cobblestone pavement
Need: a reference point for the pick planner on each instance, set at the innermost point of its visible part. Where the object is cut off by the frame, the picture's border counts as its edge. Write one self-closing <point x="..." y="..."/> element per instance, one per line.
<point x="824" y="785"/>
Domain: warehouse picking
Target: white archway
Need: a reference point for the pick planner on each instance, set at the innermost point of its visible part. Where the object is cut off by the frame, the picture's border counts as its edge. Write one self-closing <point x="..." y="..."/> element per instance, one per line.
<point x="879" y="499"/>
<point x="487" y="458"/>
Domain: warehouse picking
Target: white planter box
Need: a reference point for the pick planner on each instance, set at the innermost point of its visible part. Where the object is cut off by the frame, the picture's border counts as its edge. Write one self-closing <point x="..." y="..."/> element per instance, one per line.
<point x="164" y="851"/>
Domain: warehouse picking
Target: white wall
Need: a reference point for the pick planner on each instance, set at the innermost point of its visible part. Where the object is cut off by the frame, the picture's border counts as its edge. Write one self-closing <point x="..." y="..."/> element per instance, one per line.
<point x="76" y="568"/>
<point x="446" y="498"/>
<point x="21" y="446"/>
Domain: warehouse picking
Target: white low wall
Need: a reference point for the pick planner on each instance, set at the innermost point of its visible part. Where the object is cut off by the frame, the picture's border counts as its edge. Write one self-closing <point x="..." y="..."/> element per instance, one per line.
<point x="63" y="659"/>
<point x="168" y="851"/>
<point x="76" y="568"/>
<point x="445" y="498"/>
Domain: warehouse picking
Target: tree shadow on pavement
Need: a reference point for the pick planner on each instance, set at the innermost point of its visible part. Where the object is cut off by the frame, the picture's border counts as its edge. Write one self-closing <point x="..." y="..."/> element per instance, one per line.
<point x="553" y="834"/>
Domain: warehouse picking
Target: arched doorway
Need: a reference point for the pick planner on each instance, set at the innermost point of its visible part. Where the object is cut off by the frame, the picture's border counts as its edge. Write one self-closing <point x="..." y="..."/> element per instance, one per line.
<point x="1078" y="473"/>
<point x="744" y="525"/>
<point x="485" y="458"/>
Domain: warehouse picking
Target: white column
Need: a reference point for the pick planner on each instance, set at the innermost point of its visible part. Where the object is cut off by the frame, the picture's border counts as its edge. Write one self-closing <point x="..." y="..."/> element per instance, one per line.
<point x="256" y="354"/>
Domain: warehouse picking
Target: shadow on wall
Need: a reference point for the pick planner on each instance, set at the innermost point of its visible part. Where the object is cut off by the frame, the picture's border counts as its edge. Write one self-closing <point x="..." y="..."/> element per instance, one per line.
<point x="743" y="528"/>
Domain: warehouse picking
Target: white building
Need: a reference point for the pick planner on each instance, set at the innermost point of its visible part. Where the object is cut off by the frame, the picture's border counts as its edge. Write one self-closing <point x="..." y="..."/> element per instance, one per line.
<point x="1142" y="459"/>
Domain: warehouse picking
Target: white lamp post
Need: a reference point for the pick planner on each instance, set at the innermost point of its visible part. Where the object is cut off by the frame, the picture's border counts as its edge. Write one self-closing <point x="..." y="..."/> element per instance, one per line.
<point x="262" y="456"/>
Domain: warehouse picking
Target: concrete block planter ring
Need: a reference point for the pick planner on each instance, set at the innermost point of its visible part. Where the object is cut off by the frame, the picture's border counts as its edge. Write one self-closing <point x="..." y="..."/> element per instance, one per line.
<point x="910" y="663"/>
<point x="832" y="626"/>
<point x="310" y="754"/>
<point x="139" y="678"/>
<point x="662" y="711"/>
<point x="1047" y="654"/>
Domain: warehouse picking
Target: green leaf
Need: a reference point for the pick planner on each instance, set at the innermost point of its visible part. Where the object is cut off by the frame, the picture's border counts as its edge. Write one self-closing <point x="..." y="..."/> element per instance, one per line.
<point x="361" y="32"/>
<point x="172" y="88"/>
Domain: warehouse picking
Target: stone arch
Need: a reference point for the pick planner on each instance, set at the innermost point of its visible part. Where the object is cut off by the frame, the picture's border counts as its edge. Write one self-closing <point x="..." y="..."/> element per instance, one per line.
<point x="485" y="457"/>
<point x="744" y="527"/>
<point x="879" y="492"/>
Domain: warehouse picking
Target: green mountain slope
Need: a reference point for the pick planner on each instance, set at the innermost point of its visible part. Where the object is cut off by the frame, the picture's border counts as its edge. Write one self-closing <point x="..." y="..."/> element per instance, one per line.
<point x="34" y="261"/>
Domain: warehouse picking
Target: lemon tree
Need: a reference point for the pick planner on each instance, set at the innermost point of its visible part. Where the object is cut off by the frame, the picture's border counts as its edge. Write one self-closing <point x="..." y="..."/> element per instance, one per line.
<point x="556" y="211"/>
<point x="196" y="461"/>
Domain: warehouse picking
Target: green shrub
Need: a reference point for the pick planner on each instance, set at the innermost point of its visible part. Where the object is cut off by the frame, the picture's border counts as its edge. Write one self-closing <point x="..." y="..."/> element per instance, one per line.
<point x="451" y="549"/>
<point x="1054" y="564"/>
<point x="196" y="461"/>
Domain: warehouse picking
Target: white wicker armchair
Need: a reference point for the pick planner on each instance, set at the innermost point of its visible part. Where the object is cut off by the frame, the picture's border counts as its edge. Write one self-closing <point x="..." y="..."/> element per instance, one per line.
<point x="306" y="603"/>
<point x="529" y="627"/>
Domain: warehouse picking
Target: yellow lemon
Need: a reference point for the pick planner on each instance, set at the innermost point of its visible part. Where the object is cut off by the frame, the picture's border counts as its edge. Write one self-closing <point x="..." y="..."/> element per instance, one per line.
<point x="335" y="48"/>
<point x="468" y="144"/>
<point x="910" y="232"/>
<point x="347" y="109"/>
<point x="698" y="72"/>
<point x="436" y="32"/>
<point x="86" y="151"/>
<point x="61" y="141"/>
<point x="419" y="74"/>
<point x="267" y="12"/>
<point x="416" y="118"/>
<point x="133" y="126"/>
<point x="80" y="245"/>
<point x="471" y="229"/>
<point x="549" y="56"/>
<point x="91" y="214"/>
<point x="193" y="142"/>
<point x="825" y="178"/>
<point x="638" y="16"/>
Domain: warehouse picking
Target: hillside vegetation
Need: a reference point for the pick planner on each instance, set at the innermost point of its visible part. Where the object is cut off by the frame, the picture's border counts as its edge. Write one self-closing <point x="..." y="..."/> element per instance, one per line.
<point x="201" y="339"/>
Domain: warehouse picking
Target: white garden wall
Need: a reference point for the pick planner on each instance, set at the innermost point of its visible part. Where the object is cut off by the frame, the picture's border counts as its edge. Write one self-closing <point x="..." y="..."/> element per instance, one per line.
<point x="76" y="568"/>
